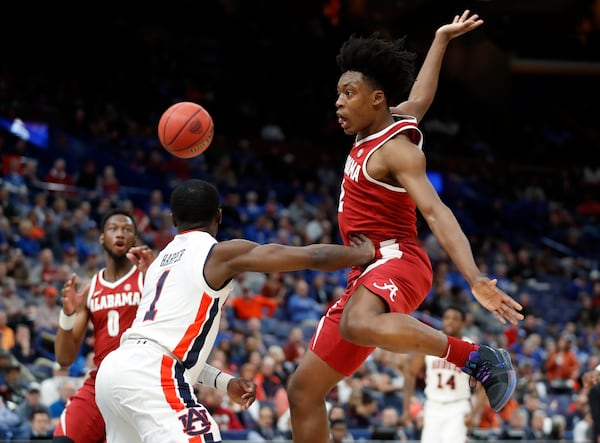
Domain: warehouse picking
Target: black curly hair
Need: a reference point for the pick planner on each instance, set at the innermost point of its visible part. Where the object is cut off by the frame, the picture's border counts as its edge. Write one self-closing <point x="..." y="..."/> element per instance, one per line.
<point x="194" y="203"/>
<point x="386" y="65"/>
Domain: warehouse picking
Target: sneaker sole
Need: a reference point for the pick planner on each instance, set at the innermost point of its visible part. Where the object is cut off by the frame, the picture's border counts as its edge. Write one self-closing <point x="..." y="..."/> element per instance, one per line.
<point x="512" y="380"/>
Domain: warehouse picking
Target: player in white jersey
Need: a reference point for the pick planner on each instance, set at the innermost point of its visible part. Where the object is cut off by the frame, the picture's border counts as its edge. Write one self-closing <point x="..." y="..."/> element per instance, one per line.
<point x="144" y="387"/>
<point x="452" y="405"/>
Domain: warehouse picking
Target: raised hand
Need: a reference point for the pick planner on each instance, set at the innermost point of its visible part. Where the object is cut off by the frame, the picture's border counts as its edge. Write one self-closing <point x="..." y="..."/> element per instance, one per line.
<point x="460" y="25"/>
<point x="71" y="301"/>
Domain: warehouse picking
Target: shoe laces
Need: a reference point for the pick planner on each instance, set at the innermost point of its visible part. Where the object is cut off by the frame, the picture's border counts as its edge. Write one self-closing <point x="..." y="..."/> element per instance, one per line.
<point x="480" y="370"/>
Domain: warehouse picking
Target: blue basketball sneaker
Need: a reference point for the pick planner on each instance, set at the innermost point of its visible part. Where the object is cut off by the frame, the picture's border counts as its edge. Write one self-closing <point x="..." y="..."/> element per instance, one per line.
<point x="493" y="368"/>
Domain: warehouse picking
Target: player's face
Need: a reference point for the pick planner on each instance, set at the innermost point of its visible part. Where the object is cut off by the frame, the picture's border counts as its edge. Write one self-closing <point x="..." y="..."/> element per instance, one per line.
<point x="452" y="323"/>
<point x="354" y="102"/>
<point x="118" y="235"/>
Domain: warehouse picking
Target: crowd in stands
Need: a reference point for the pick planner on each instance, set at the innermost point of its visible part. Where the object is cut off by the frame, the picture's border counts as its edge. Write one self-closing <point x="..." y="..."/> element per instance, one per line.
<point x="540" y="246"/>
<point x="524" y="190"/>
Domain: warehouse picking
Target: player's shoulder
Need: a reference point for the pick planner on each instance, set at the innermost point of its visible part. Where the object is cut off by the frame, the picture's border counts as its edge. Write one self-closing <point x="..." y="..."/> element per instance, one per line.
<point x="405" y="119"/>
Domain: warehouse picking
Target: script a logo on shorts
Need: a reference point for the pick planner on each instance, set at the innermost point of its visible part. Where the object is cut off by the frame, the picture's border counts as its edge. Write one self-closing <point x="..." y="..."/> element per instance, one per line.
<point x="389" y="287"/>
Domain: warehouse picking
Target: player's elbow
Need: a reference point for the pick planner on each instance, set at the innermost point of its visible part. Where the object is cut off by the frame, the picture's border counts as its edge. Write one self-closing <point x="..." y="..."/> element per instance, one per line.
<point x="64" y="360"/>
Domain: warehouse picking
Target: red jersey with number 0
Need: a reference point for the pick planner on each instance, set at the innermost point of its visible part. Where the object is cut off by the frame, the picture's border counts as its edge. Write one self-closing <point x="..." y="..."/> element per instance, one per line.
<point x="112" y="307"/>
<point x="367" y="206"/>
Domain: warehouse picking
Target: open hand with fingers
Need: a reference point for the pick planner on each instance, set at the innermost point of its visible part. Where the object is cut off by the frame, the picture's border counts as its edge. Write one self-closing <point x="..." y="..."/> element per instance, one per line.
<point x="492" y="298"/>
<point x="71" y="301"/>
<point x="461" y="24"/>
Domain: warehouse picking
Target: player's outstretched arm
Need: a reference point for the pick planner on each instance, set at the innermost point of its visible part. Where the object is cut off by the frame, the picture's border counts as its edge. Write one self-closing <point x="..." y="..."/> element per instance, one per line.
<point x="229" y="258"/>
<point x="423" y="90"/>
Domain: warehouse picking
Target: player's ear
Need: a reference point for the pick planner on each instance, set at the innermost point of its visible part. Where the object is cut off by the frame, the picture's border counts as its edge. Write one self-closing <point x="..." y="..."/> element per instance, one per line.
<point x="101" y="239"/>
<point x="378" y="97"/>
<point x="219" y="216"/>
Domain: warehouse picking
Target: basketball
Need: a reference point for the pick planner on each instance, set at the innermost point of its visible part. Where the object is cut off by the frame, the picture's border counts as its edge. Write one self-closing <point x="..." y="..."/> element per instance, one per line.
<point x="185" y="129"/>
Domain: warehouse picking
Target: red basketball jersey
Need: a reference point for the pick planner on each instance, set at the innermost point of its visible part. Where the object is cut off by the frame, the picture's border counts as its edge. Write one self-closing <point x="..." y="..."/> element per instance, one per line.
<point x="112" y="308"/>
<point x="370" y="207"/>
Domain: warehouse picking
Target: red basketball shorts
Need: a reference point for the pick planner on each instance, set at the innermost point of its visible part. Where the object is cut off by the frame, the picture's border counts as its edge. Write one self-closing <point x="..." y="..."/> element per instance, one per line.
<point x="401" y="278"/>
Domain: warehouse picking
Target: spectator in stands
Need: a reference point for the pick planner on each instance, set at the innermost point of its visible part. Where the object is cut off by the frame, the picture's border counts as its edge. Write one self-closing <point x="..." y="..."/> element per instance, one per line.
<point x="361" y="409"/>
<point x="301" y="211"/>
<point x="24" y="349"/>
<point x="70" y="262"/>
<point x="283" y="368"/>
<point x="267" y="378"/>
<point x="59" y="178"/>
<point x="7" y="334"/>
<point x="273" y="287"/>
<point x="537" y="425"/>
<point x="301" y="309"/>
<point x="48" y="311"/>
<point x="516" y="427"/>
<point x="67" y="389"/>
<point x="91" y="264"/>
<point x="26" y="242"/>
<point x="591" y="383"/>
<point x="88" y="242"/>
<point x="45" y="271"/>
<point x="30" y="174"/>
<point x="562" y="366"/>
<point x="319" y="289"/>
<point x="18" y="268"/>
<point x="249" y="305"/>
<point x="266" y="429"/>
<point x="87" y="180"/>
<point x="261" y="230"/>
<point x="32" y="402"/>
<point x="62" y="236"/>
<point x="583" y="429"/>
<point x="109" y="183"/>
<point x="338" y="428"/>
<point x="165" y="232"/>
<point x="295" y="345"/>
<point x="40" y="425"/>
<point x="14" y="388"/>
<point x="13" y="178"/>
<point x="251" y="208"/>
<point x="388" y="426"/>
<point x="9" y="422"/>
<point x="10" y="301"/>
<point x="558" y="428"/>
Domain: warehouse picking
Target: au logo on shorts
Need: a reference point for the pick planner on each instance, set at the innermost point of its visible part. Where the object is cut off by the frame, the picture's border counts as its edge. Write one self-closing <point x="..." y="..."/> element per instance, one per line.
<point x="195" y="421"/>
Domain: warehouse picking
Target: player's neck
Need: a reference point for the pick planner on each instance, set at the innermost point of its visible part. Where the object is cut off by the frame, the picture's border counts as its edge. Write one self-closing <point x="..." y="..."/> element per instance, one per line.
<point x="116" y="270"/>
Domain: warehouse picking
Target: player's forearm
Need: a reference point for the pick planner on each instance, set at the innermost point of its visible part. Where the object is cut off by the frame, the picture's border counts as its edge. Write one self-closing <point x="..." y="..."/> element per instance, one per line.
<point x="215" y="378"/>
<point x="453" y="240"/>
<point x="333" y="257"/>
<point x="66" y="347"/>
<point x="425" y="86"/>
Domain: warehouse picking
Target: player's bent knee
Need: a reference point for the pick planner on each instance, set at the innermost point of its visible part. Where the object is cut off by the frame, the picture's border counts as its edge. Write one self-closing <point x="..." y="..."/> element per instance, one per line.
<point x="352" y="331"/>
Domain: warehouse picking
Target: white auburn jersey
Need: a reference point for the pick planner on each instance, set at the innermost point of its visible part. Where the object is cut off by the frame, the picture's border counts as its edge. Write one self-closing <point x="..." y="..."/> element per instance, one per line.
<point x="444" y="381"/>
<point x="178" y="310"/>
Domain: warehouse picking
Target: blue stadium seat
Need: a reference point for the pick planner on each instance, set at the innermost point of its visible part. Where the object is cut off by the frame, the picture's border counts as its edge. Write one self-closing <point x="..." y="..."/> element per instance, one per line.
<point x="240" y="434"/>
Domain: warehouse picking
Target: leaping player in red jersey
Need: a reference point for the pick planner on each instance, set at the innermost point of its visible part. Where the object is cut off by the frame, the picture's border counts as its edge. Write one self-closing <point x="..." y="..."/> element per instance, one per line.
<point x="384" y="184"/>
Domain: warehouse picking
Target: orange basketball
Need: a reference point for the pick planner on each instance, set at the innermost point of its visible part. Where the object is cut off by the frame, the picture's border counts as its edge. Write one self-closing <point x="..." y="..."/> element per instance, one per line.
<point x="186" y="129"/>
